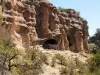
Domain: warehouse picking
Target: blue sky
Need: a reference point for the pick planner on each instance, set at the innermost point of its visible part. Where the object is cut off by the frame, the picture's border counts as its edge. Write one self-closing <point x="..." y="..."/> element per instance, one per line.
<point x="89" y="9"/>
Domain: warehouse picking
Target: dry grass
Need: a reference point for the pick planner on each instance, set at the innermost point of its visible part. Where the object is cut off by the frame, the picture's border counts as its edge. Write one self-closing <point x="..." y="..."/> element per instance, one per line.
<point x="61" y="60"/>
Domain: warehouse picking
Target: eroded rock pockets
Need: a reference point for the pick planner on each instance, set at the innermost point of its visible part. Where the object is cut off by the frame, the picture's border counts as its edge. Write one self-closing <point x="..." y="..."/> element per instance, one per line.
<point x="26" y="22"/>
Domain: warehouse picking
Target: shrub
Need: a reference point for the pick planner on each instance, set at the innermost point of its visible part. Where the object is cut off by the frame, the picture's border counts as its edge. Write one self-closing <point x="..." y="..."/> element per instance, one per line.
<point x="36" y="54"/>
<point x="63" y="71"/>
<point x="94" y="64"/>
<point x="53" y="62"/>
<point x="62" y="59"/>
<point x="33" y="63"/>
<point x="95" y="50"/>
<point x="7" y="55"/>
<point x="66" y="71"/>
<point x="63" y="10"/>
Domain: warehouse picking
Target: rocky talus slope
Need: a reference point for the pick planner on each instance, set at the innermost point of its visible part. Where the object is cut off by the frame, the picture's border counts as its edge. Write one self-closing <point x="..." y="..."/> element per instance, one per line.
<point x="37" y="61"/>
<point x="64" y="63"/>
<point x="33" y="22"/>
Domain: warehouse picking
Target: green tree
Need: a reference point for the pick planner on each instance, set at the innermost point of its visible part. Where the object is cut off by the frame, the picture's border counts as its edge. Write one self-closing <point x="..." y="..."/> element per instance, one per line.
<point x="7" y="54"/>
<point x="94" y="61"/>
<point x="96" y="40"/>
<point x="94" y="65"/>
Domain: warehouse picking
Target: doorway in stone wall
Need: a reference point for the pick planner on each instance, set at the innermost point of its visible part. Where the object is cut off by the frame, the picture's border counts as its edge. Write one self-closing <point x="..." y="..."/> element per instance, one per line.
<point x="50" y="44"/>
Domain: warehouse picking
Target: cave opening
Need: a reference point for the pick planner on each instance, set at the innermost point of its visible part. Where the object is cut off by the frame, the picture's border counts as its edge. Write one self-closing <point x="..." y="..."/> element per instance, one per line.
<point x="50" y="44"/>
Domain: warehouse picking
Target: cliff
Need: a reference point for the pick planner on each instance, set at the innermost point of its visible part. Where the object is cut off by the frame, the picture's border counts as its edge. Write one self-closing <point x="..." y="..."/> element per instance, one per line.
<point x="37" y="22"/>
<point x="47" y="40"/>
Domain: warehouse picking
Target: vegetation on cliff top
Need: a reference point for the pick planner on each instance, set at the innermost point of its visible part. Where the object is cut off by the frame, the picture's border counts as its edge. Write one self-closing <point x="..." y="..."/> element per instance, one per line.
<point x="66" y="10"/>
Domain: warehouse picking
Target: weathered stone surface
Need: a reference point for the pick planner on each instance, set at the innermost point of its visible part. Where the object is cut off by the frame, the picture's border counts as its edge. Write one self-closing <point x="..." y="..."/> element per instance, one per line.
<point x="26" y="22"/>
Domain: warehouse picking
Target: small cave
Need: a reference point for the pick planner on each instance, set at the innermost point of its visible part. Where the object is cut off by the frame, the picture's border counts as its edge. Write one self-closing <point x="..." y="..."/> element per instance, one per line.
<point x="50" y="44"/>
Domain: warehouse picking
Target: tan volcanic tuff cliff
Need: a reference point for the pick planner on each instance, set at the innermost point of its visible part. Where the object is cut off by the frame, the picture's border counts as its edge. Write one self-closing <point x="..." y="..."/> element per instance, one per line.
<point x="38" y="22"/>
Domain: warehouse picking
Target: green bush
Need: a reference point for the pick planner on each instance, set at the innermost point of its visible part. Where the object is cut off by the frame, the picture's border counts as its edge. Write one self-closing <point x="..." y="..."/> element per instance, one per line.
<point x="95" y="50"/>
<point x="63" y="10"/>
<point x="7" y="54"/>
<point x="33" y="62"/>
<point x="94" y="64"/>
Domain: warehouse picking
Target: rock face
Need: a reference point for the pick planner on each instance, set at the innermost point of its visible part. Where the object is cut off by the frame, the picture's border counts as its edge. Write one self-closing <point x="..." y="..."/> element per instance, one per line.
<point x="32" y="22"/>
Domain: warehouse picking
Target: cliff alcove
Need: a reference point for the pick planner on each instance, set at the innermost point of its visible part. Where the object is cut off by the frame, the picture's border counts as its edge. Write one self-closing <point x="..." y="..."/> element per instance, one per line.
<point x="50" y="44"/>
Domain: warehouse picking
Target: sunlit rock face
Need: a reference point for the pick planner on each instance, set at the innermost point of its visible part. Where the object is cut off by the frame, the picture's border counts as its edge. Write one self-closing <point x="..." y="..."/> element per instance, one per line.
<point x="28" y="22"/>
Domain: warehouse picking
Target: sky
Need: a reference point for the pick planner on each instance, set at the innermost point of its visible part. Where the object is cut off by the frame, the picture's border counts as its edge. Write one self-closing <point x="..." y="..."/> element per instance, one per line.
<point x="89" y="10"/>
